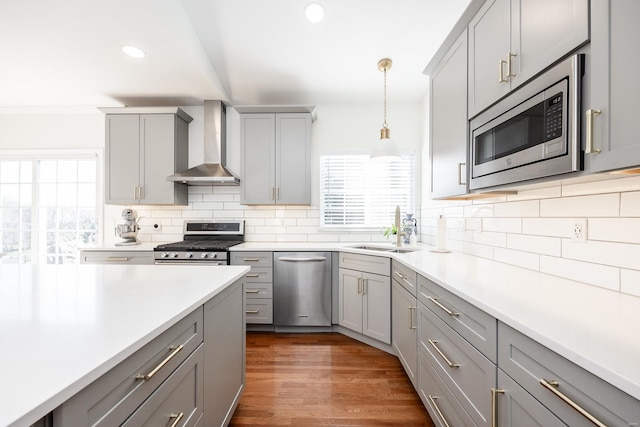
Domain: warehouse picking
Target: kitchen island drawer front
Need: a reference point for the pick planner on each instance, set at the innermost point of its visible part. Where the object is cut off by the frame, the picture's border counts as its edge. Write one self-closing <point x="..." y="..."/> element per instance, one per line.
<point x="441" y="404"/>
<point x="556" y="381"/>
<point x="259" y="311"/>
<point x="178" y="400"/>
<point x="259" y="274"/>
<point x="119" y="392"/>
<point x="117" y="257"/>
<point x="469" y="375"/>
<point x="368" y="263"/>
<point x="405" y="276"/>
<point x="254" y="259"/>
<point x="476" y="326"/>
<point x="258" y="290"/>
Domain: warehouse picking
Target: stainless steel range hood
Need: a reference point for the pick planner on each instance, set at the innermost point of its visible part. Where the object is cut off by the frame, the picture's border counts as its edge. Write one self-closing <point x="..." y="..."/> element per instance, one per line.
<point x="213" y="171"/>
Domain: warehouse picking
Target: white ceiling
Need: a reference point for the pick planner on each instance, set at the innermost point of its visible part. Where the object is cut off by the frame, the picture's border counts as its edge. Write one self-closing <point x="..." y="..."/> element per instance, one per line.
<point x="67" y="52"/>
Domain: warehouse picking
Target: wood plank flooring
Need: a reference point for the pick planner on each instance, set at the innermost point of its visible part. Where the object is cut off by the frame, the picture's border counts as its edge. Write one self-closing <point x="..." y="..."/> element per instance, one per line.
<point x="324" y="379"/>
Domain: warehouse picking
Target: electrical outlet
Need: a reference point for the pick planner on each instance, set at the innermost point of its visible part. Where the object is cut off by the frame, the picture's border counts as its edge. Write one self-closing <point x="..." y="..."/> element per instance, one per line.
<point x="154" y="228"/>
<point x="579" y="230"/>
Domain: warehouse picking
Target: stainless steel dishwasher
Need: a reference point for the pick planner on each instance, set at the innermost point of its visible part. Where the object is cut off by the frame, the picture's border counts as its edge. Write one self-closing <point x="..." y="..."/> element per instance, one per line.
<point x="302" y="288"/>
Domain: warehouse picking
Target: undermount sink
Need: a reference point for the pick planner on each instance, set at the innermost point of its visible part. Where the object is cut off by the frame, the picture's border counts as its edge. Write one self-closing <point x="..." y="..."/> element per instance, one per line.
<point x="383" y="249"/>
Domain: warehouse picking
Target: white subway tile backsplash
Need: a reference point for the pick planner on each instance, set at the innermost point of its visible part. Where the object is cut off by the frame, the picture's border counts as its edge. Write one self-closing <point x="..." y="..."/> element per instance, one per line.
<point x="630" y="204"/>
<point x="521" y="259"/>
<point x="618" y="184"/>
<point x="623" y="255"/>
<point x="581" y="206"/>
<point x="301" y="229"/>
<point x="208" y="205"/>
<point x="218" y="197"/>
<point x="552" y="227"/>
<point x="504" y="225"/>
<point x="490" y="238"/>
<point x="525" y="208"/>
<point x="624" y="230"/>
<point x="630" y="282"/>
<point x="478" y="210"/>
<point x="483" y="251"/>
<point x="536" y="244"/>
<point x="536" y="194"/>
<point x="587" y="272"/>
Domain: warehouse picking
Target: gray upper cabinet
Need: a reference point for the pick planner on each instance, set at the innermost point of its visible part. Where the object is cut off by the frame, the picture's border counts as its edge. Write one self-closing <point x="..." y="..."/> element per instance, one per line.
<point x="141" y="151"/>
<point x="449" y="122"/>
<point x="276" y="158"/>
<point x="613" y="92"/>
<point x="510" y="41"/>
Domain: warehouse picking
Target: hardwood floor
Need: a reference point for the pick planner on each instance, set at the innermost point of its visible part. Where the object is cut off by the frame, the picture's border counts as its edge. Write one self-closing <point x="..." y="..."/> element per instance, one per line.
<point x="324" y="379"/>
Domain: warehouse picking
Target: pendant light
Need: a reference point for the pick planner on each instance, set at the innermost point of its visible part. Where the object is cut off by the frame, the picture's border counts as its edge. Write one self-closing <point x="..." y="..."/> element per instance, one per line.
<point x="385" y="148"/>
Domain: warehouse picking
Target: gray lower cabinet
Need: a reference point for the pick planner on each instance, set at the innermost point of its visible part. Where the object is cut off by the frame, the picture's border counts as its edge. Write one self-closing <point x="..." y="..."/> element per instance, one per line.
<point x="142" y="149"/>
<point x="276" y="158"/>
<point x="404" y="329"/>
<point x="224" y="355"/>
<point x="364" y="300"/>
<point x="575" y="396"/>
<point x="116" y="257"/>
<point x="258" y="285"/>
<point x="191" y="375"/>
<point x="405" y="276"/>
<point x="614" y="25"/>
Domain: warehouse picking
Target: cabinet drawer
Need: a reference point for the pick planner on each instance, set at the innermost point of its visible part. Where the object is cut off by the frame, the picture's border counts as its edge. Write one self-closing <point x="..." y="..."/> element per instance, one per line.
<point x="117" y="257"/>
<point x="529" y="363"/>
<point x="118" y="392"/>
<point x="259" y="311"/>
<point x="468" y="374"/>
<point x="443" y="407"/>
<point x="368" y="263"/>
<point x="258" y="290"/>
<point x="180" y="396"/>
<point x="476" y="326"/>
<point x="405" y="276"/>
<point x="254" y="259"/>
<point x="259" y="274"/>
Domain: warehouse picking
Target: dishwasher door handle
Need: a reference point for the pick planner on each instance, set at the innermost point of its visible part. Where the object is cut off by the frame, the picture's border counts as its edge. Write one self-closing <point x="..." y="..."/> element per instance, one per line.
<point x="307" y="259"/>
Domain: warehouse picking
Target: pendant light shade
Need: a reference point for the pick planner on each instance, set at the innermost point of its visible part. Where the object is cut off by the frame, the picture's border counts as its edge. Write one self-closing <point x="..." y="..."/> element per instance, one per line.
<point x="385" y="148"/>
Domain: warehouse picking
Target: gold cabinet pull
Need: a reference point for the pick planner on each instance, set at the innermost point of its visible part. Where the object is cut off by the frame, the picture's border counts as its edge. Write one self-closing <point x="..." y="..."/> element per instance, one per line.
<point x="135" y="193"/>
<point x="251" y="291"/>
<point x="433" y="399"/>
<point x="251" y="259"/>
<point x="116" y="259"/>
<point x="509" y="73"/>
<point x="589" y="148"/>
<point x="277" y="193"/>
<point x="411" y="316"/>
<point x="501" y="65"/>
<point x="494" y="405"/>
<point x="434" y="344"/>
<point x="273" y="193"/>
<point x="174" y="350"/>
<point x="460" y="182"/>
<point x="252" y="275"/>
<point x="177" y="417"/>
<point x="252" y="311"/>
<point x="141" y="193"/>
<point x="552" y="387"/>
<point x="446" y="310"/>
<point x="404" y="279"/>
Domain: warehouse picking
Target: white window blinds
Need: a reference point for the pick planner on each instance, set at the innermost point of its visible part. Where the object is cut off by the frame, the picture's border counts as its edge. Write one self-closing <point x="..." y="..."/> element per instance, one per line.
<point x="356" y="192"/>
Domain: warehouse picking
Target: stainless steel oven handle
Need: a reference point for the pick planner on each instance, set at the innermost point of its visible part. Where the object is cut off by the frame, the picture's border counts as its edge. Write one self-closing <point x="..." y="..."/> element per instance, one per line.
<point x="189" y="262"/>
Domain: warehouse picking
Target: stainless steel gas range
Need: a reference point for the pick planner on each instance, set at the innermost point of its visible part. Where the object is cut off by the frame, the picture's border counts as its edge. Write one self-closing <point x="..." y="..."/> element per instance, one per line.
<point x="205" y="242"/>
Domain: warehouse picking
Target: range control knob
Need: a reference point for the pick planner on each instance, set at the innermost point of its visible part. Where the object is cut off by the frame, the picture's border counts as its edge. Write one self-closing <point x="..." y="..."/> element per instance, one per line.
<point x="213" y="255"/>
<point x="164" y="255"/>
<point x="174" y="255"/>
<point x="188" y="255"/>
<point x="204" y="255"/>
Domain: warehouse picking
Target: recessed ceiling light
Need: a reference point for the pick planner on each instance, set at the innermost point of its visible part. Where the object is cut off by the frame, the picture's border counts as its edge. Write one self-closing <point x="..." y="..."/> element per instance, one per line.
<point x="314" y="12"/>
<point x="133" y="51"/>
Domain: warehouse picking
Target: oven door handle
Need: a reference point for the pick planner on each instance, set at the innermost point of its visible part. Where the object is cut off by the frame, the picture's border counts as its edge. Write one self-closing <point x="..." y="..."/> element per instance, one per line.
<point x="189" y="262"/>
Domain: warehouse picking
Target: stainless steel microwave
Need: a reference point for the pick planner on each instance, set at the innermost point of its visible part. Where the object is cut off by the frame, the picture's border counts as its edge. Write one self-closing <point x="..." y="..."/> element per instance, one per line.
<point x="532" y="133"/>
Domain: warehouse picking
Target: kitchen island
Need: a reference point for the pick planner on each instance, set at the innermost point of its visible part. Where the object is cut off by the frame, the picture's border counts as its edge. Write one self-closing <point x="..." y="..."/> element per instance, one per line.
<point x="66" y="326"/>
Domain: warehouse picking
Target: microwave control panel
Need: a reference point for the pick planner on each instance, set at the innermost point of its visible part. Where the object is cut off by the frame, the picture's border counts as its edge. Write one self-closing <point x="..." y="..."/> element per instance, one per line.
<point x="553" y="118"/>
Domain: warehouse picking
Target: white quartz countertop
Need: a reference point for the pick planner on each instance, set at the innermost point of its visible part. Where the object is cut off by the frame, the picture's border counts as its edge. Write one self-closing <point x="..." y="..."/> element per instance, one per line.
<point x="64" y="326"/>
<point x="593" y="327"/>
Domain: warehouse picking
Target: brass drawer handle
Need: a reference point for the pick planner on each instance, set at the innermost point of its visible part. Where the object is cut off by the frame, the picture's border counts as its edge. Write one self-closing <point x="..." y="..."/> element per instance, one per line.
<point x="251" y="291"/>
<point x="411" y="316"/>
<point x="432" y="399"/>
<point x="460" y="165"/>
<point x="116" y="258"/>
<point x="178" y="417"/>
<point x="589" y="128"/>
<point x="494" y="405"/>
<point x="252" y="311"/>
<point x="551" y="386"/>
<point x="404" y="278"/>
<point x="449" y="312"/>
<point x="434" y="344"/>
<point x="252" y="275"/>
<point x="251" y="259"/>
<point x="174" y="350"/>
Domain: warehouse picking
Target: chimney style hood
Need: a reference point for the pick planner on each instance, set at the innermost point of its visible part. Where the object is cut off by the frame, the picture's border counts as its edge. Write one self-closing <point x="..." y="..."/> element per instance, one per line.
<point x="213" y="171"/>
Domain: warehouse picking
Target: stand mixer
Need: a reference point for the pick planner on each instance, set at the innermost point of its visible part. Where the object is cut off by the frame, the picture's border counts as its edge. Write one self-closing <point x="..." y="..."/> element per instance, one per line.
<point x="129" y="230"/>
